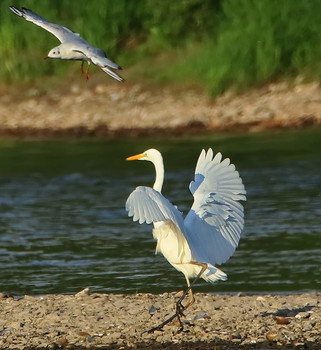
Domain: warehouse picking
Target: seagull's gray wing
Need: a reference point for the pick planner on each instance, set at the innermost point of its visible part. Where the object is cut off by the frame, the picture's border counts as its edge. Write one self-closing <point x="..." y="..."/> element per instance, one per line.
<point x="98" y="57"/>
<point x="213" y="225"/>
<point x="60" y="32"/>
<point x="148" y="205"/>
<point x="112" y="74"/>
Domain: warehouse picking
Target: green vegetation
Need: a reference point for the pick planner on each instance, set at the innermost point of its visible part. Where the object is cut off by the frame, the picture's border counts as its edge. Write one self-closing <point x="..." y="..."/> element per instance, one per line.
<point x="219" y="43"/>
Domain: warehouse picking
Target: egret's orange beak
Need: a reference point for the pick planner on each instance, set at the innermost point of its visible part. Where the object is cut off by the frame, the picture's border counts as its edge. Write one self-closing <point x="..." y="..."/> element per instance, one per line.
<point x="138" y="156"/>
<point x="45" y="58"/>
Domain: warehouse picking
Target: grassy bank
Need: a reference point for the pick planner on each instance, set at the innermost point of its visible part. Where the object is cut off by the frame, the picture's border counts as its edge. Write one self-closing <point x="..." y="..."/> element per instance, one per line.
<point x="222" y="43"/>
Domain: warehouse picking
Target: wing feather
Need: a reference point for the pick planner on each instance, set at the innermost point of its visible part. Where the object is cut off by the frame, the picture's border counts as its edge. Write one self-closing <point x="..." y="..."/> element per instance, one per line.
<point x="60" y="32"/>
<point x="98" y="57"/>
<point x="213" y="225"/>
<point x="145" y="204"/>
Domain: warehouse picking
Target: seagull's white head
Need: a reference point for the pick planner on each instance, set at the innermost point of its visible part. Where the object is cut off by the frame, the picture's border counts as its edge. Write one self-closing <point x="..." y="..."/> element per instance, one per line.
<point x="151" y="155"/>
<point x="54" y="53"/>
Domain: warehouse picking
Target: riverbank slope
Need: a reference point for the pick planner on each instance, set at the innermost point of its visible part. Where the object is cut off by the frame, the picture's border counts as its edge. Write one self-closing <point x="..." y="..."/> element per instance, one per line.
<point x="96" y="109"/>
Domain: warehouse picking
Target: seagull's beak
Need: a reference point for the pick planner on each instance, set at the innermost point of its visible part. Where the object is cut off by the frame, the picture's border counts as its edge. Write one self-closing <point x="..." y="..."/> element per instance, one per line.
<point x="138" y="156"/>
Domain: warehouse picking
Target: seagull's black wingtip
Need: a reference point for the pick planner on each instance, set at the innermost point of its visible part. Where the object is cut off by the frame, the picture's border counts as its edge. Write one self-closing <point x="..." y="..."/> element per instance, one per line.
<point x="15" y="10"/>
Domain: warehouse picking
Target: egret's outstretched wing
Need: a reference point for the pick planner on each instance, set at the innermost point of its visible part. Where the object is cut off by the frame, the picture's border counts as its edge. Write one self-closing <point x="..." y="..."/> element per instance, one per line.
<point x="148" y="205"/>
<point x="213" y="225"/>
<point x="60" y="32"/>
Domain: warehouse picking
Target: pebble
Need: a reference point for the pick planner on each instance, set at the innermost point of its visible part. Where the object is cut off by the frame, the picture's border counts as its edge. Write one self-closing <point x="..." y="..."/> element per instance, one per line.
<point x="271" y="336"/>
<point x="101" y="320"/>
<point x="306" y="314"/>
<point x="82" y="293"/>
<point x="281" y="320"/>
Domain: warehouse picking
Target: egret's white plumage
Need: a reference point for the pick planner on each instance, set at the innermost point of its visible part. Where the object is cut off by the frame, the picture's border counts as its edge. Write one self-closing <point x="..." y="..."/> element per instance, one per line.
<point x="73" y="46"/>
<point x="210" y="232"/>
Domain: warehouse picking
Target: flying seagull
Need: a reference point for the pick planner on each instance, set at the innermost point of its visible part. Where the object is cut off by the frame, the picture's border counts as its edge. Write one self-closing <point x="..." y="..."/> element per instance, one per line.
<point x="73" y="46"/>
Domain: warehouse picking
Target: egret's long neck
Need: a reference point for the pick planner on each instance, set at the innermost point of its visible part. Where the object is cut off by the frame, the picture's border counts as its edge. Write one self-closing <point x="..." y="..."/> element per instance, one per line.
<point x="159" y="167"/>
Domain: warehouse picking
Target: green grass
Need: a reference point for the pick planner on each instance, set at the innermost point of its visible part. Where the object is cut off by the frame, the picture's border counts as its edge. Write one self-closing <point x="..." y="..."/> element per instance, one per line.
<point x="258" y="41"/>
<point x="221" y="44"/>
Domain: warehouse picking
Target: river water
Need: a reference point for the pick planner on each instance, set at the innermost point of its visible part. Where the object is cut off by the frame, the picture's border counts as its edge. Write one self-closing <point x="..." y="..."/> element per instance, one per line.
<point x="63" y="226"/>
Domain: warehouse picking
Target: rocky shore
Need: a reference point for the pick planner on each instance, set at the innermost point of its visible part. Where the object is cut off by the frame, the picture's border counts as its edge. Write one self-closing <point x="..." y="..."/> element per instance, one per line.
<point x="127" y="109"/>
<point x="108" y="321"/>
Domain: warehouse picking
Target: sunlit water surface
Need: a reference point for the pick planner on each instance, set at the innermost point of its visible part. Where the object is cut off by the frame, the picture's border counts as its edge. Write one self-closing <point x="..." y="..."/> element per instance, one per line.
<point x="63" y="226"/>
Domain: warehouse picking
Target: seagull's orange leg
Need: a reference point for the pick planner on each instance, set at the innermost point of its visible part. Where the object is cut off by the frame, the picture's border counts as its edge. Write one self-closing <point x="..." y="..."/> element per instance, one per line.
<point x="82" y="67"/>
<point x="87" y="71"/>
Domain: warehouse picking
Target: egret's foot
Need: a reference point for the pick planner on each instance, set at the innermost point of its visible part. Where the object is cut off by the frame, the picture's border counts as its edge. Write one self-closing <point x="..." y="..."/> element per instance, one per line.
<point x="179" y="312"/>
<point x="160" y="326"/>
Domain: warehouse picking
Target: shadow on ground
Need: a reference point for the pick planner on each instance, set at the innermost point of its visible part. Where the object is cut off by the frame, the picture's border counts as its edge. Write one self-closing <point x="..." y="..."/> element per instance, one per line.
<point x="214" y="345"/>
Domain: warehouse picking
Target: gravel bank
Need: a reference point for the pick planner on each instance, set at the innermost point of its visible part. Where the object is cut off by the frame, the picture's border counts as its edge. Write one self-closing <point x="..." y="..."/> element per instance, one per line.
<point x="107" y="321"/>
<point x="133" y="110"/>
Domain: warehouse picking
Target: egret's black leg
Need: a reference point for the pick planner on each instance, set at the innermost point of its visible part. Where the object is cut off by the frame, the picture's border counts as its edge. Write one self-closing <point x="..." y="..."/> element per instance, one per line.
<point x="180" y="308"/>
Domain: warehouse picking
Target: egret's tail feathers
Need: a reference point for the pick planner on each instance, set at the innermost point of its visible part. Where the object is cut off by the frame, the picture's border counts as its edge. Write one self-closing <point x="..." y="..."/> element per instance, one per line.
<point x="213" y="274"/>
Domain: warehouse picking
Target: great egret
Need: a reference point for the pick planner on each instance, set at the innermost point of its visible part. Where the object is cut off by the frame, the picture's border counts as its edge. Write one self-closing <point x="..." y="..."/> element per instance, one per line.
<point x="73" y="46"/>
<point x="210" y="232"/>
